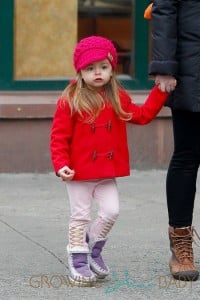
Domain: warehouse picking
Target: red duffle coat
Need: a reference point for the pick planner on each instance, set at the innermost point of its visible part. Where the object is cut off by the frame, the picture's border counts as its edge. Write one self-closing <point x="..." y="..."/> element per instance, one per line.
<point x="98" y="149"/>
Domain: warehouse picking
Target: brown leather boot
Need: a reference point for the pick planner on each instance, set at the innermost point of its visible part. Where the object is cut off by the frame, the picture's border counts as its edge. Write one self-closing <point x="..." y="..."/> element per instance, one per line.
<point x="181" y="263"/>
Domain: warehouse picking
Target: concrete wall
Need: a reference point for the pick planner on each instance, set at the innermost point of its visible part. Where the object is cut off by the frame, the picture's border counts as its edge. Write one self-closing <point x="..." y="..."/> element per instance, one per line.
<point x="25" y="122"/>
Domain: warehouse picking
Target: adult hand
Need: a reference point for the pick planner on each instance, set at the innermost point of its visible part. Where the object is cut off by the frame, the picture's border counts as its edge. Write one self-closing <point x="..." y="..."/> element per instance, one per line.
<point x="66" y="173"/>
<point x="165" y="83"/>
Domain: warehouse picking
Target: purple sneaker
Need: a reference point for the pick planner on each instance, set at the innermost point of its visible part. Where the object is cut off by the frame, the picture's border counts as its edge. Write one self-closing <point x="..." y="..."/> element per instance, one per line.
<point x="97" y="264"/>
<point x="80" y="272"/>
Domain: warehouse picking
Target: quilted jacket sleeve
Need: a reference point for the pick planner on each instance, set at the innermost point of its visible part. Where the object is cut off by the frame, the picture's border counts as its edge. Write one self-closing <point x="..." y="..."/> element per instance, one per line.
<point x="164" y="37"/>
<point x="145" y="113"/>
<point x="61" y="133"/>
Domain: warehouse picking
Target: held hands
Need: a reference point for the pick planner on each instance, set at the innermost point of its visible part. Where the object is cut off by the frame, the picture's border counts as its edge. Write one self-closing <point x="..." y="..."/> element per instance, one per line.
<point x="165" y="83"/>
<point x="66" y="173"/>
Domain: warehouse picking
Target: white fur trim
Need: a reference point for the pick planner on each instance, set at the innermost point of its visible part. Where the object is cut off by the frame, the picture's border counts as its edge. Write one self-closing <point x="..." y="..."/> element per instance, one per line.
<point x="77" y="249"/>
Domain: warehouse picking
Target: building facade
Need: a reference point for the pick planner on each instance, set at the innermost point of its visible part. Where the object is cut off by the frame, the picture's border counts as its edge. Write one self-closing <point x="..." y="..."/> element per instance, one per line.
<point x="37" y="38"/>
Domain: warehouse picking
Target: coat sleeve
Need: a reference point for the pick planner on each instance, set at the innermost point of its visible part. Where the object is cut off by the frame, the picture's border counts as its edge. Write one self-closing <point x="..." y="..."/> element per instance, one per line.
<point x="145" y="113"/>
<point x="164" y="37"/>
<point x="60" y="137"/>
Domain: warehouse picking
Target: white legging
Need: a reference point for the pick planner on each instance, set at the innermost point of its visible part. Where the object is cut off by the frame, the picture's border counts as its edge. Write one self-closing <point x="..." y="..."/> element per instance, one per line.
<point x="81" y="195"/>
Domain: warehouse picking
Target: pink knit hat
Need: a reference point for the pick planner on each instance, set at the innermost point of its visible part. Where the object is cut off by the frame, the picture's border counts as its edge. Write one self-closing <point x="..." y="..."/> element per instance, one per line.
<point x="92" y="49"/>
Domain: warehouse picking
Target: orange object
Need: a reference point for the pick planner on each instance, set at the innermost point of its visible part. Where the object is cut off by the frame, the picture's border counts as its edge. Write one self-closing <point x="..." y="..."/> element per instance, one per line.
<point x="147" y="12"/>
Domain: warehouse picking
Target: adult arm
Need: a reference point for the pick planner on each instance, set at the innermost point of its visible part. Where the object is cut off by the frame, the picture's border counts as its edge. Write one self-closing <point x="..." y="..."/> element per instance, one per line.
<point x="164" y="38"/>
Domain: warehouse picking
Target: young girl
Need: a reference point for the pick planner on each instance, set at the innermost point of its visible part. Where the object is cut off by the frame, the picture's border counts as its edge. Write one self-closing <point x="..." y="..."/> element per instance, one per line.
<point x="89" y="150"/>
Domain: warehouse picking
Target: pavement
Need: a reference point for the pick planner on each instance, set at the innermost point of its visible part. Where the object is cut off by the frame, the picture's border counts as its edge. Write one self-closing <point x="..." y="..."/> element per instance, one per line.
<point x="34" y="213"/>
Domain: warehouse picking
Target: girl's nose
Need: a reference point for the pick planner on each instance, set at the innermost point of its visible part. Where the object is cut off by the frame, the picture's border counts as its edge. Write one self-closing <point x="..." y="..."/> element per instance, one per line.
<point x="97" y="71"/>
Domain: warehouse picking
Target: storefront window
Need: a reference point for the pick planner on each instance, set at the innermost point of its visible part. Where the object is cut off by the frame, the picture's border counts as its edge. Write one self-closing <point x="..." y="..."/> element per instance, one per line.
<point x="112" y="19"/>
<point x="37" y="39"/>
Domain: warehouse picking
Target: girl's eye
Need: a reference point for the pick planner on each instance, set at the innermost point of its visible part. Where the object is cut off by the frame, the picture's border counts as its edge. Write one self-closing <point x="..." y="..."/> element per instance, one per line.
<point x="104" y="67"/>
<point x="90" y="68"/>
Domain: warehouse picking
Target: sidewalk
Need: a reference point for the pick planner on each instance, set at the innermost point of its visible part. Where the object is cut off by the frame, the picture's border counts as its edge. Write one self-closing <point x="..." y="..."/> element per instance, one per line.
<point x="33" y="223"/>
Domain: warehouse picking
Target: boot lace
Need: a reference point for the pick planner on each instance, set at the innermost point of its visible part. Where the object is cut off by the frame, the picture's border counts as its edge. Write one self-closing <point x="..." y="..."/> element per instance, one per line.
<point x="183" y="244"/>
<point x="76" y="236"/>
<point x="107" y="227"/>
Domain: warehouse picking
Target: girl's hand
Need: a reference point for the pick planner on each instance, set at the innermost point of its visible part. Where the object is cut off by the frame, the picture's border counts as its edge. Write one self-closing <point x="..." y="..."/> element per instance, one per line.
<point x="165" y="83"/>
<point x="66" y="173"/>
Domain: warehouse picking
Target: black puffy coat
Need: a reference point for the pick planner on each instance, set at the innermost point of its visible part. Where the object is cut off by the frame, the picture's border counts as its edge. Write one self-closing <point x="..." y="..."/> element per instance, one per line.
<point x="176" y="49"/>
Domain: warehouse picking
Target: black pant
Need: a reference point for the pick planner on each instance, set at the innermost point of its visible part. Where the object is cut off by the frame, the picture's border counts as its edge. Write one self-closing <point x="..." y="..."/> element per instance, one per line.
<point x="183" y="168"/>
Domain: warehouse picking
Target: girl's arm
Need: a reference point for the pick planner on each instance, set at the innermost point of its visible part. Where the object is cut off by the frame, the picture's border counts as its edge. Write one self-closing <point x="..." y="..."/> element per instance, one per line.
<point x="66" y="173"/>
<point x="145" y="113"/>
<point x="61" y="133"/>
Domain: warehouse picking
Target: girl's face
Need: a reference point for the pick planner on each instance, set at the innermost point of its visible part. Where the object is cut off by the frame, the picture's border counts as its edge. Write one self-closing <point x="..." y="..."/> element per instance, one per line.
<point x="97" y="74"/>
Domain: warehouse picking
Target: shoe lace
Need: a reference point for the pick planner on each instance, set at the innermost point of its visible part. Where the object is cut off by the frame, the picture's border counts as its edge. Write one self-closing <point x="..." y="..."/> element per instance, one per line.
<point x="76" y="236"/>
<point x="183" y="244"/>
<point x="105" y="230"/>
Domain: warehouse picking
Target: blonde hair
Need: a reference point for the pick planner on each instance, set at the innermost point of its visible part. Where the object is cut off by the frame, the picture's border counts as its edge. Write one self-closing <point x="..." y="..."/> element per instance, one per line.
<point x="82" y="98"/>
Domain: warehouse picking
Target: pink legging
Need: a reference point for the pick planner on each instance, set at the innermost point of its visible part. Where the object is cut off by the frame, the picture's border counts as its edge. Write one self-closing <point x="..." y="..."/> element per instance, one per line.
<point x="81" y="195"/>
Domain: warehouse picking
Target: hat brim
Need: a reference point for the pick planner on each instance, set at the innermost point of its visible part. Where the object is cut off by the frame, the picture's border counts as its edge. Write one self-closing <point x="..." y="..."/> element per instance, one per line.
<point x="93" y="55"/>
